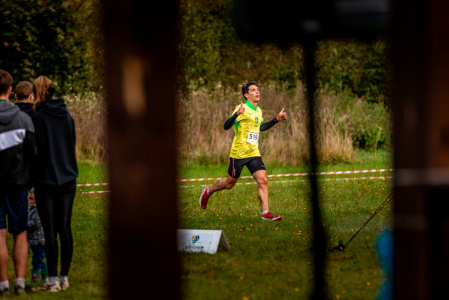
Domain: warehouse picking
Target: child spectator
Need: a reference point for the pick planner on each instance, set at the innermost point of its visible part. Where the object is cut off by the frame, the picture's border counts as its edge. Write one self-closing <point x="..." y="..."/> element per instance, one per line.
<point x="36" y="240"/>
<point x="25" y="97"/>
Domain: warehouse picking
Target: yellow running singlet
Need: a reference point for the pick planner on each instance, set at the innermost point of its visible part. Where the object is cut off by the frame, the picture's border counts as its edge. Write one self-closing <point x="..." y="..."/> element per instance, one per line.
<point x="247" y="130"/>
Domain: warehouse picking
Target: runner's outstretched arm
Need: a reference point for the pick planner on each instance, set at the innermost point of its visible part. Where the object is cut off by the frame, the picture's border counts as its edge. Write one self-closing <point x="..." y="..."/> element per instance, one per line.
<point x="267" y="125"/>
<point x="281" y="117"/>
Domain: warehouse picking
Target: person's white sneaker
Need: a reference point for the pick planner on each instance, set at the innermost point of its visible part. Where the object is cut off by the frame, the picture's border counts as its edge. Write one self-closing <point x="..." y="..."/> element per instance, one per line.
<point x="65" y="284"/>
<point x="52" y="287"/>
<point x="55" y="287"/>
<point x="45" y="283"/>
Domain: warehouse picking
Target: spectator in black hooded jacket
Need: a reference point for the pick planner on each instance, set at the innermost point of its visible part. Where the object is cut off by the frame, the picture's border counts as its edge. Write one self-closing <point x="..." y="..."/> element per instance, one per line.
<point x="55" y="183"/>
<point x="17" y="151"/>
<point x="25" y="97"/>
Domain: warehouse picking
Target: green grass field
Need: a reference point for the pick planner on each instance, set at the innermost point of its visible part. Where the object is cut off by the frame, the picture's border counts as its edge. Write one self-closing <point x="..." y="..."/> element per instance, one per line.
<point x="267" y="259"/>
<point x="271" y="260"/>
<point x="88" y="269"/>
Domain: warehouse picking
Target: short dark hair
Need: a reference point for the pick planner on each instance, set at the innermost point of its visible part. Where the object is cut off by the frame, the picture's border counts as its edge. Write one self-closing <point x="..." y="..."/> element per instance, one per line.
<point x="23" y="90"/>
<point x="246" y="86"/>
<point x="5" y="82"/>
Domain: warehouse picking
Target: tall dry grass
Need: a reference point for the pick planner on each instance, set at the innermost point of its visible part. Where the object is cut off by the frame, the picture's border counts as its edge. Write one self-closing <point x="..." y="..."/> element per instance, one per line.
<point x="203" y="139"/>
<point x="89" y="113"/>
<point x="342" y="121"/>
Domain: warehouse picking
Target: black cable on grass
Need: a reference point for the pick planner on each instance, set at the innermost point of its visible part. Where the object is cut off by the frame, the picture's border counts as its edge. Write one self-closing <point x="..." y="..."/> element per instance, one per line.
<point x="342" y="246"/>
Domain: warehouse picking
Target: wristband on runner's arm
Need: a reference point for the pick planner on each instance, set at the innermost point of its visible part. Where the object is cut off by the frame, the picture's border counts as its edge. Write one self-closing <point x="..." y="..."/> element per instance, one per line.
<point x="229" y="122"/>
<point x="268" y="125"/>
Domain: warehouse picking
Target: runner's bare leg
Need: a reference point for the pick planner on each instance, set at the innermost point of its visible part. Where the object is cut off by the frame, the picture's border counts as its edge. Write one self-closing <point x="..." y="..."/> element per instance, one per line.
<point x="222" y="184"/>
<point x="261" y="179"/>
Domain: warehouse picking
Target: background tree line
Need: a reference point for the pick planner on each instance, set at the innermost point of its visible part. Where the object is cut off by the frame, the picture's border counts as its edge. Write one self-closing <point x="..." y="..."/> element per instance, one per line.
<point x="57" y="38"/>
<point x="212" y="53"/>
<point x="63" y="40"/>
<point x="352" y="75"/>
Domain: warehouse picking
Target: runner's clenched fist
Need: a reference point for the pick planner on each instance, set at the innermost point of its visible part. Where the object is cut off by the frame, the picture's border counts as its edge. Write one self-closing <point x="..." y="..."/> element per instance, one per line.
<point x="241" y="109"/>
<point x="282" y="116"/>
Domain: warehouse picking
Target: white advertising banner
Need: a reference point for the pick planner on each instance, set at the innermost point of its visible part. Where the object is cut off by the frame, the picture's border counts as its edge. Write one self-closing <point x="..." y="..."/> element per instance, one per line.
<point x="197" y="240"/>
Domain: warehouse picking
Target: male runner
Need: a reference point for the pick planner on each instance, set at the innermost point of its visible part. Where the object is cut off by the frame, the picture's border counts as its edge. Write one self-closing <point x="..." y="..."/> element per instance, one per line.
<point x="248" y="122"/>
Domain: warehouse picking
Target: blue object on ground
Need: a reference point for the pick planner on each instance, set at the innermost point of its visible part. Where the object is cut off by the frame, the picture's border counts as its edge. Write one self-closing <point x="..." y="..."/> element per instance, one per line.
<point x="384" y="247"/>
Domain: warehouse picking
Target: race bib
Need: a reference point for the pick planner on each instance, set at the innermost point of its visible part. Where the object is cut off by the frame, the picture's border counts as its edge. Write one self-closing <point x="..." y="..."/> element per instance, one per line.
<point x="253" y="137"/>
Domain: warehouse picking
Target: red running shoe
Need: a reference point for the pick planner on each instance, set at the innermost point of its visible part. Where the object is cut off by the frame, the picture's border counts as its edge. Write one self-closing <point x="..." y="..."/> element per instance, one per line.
<point x="204" y="198"/>
<point x="269" y="217"/>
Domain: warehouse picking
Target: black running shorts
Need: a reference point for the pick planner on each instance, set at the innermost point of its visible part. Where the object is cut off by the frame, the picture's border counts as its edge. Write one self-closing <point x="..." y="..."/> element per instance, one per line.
<point x="253" y="164"/>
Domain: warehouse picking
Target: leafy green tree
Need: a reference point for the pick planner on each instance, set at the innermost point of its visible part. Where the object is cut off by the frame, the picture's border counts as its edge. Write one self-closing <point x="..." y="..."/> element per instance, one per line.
<point x="358" y="67"/>
<point x="50" y="38"/>
<point x="211" y="53"/>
